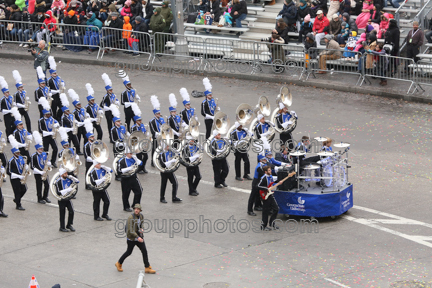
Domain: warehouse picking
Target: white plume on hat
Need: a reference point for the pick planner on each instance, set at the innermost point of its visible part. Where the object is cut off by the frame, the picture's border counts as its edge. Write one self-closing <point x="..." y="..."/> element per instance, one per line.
<point x="207" y="84"/>
<point x="135" y="108"/>
<point x="52" y="63"/>
<point x="106" y="79"/>
<point x="3" y="82"/>
<point x="155" y="102"/>
<point x="44" y="102"/>
<point x="90" y="90"/>
<point x="16" y="75"/>
<point x="14" y="143"/>
<point x="63" y="134"/>
<point x="115" y="111"/>
<point x="172" y="100"/>
<point x="88" y="124"/>
<point x="40" y="73"/>
<point x="64" y="100"/>
<point x="37" y="137"/>
<point x="184" y="94"/>
<point x="266" y="145"/>
<point x="15" y="113"/>
<point x="73" y="95"/>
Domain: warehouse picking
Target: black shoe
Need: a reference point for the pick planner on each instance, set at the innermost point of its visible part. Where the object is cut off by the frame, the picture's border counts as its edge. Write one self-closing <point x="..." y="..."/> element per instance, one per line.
<point x="141" y="172"/>
<point x="63" y="230"/>
<point x="127" y="210"/>
<point x="163" y="201"/>
<point x="98" y="219"/>
<point x="4" y="180"/>
<point x="275" y="228"/>
<point x="145" y="171"/>
<point x="219" y="186"/>
<point x="88" y="187"/>
<point x="42" y="202"/>
<point x="47" y="200"/>
<point x="70" y="228"/>
<point x="238" y="179"/>
<point x="258" y="209"/>
<point x="107" y="217"/>
<point x="251" y="213"/>
<point x="152" y="164"/>
<point x="118" y="178"/>
<point x="177" y="200"/>
<point x="80" y="153"/>
<point x="54" y="164"/>
<point x="20" y="208"/>
<point x="14" y="200"/>
<point x="193" y="194"/>
<point x="224" y="184"/>
<point x="2" y="214"/>
<point x="196" y="192"/>
<point x="136" y="55"/>
<point x="265" y="229"/>
<point x="247" y="177"/>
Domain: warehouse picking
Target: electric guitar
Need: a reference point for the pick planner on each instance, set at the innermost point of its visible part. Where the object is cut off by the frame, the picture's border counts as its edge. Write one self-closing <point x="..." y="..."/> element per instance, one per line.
<point x="271" y="188"/>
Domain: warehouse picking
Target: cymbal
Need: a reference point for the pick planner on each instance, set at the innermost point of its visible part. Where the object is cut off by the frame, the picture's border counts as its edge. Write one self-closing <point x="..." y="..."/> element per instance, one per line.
<point x="297" y="153"/>
<point x="320" y="139"/>
<point x="325" y="153"/>
<point x="341" y="145"/>
<point x="311" y="167"/>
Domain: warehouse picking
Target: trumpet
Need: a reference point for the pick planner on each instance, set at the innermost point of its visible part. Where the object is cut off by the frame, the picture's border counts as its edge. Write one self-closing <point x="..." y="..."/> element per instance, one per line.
<point x="99" y="118"/>
<point x="2" y="175"/>
<point x="74" y="127"/>
<point x="28" y="143"/>
<point x="54" y="130"/>
<point x="26" y="172"/>
<point x="26" y="103"/>
<point x="2" y="144"/>
<point x="45" y="170"/>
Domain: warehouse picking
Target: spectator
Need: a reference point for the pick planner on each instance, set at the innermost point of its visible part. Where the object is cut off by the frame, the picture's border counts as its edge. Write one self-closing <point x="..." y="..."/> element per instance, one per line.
<point x="314" y="10"/>
<point x="282" y="30"/>
<point x="93" y="21"/>
<point x="94" y="7"/>
<point x="322" y="4"/>
<point x="344" y="33"/>
<point x="303" y="11"/>
<point x="70" y="33"/>
<point x="136" y="9"/>
<point x="361" y="43"/>
<point x="332" y="52"/>
<point x="126" y="28"/>
<point x="57" y="7"/>
<point x="41" y="56"/>
<point x="375" y="18"/>
<point x="368" y="57"/>
<point x="166" y="13"/>
<point x="92" y="36"/>
<point x="138" y="39"/>
<point x="381" y="62"/>
<point x="350" y="46"/>
<point x="310" y="43"/>
<point x="414" y="41"/>
<point x="345" y="7"/>
<point x="392" y="37"/>
<point x="202" y="5"/>
<point x="21" y="4"/>
<point x="50" y="22"/>
<point x="239" y="12"/>
<point x="288" y="13"/>
<point x="157" y="24"/>
<point x="76" y="6"/>
<point x="383" y="25"/>
<point x="277" y="52"/>
<point x="113" y="35"/>
<point x="335" y="26"/>
<point x="305" y="28"/>
<point x="41" y="6"/>
<point x="351" y="22"/>
<point x="147" y="11"/>
<point x="362" y="19"/>
<point x="214" y="9"/>
<point x="24" y="28"/>
<point x="126" y="10"/>
<point x="103" y="11"/>
<point x="428" y="35"/>
<point x="334" y="8"/>
<point x="320" y="27"/>
<point x="14" y="15"/>
<point x="395" y="3"/>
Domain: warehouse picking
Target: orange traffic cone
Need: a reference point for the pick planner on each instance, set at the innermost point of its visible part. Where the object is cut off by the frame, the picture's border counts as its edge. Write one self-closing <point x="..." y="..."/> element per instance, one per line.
<point x="33" y="283"/>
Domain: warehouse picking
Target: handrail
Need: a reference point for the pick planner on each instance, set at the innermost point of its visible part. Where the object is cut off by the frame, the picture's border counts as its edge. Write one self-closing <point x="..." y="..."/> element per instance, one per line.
<point x="397" y="16"/>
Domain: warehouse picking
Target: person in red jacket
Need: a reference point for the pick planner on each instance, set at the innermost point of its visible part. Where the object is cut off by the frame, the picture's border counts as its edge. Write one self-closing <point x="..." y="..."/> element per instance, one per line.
<point x="49" y="22"/>
<point x="320" y="27"/>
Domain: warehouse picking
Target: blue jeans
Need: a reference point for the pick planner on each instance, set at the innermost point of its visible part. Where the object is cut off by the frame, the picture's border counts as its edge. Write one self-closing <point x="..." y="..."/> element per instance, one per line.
<point x="239" y="19"/>
<point x="147" y="21"/>
<point x="134" y="47"/>
<point x="26" y="35"/>
<point x="395" y="3"/>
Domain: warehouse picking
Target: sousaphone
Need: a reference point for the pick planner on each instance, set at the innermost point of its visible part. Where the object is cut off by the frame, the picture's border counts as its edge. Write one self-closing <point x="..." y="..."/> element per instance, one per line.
<point x="285" y="97"/>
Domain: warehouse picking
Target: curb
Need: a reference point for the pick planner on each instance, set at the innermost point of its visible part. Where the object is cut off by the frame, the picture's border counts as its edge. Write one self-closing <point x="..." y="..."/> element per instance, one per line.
<point x="376" y="91"/>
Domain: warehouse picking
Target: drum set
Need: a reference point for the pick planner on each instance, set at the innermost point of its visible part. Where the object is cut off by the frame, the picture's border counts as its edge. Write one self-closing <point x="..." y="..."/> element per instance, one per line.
<point x="330" y="173"/>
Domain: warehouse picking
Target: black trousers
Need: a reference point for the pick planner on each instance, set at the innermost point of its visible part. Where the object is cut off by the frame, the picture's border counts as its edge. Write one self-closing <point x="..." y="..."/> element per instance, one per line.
<point x="238" y="157"/>
<point x="9" y="124"/>
<point x="4" y="160"/>
<point x="164" y="180"/>
<point x="39" y="184"/>
<point x="130" y="247"/>
<point x="220" y="170"/>
<point x="108" y="116"/>
<point x="412" y="52"/>
<point x="155" y="145"/>
<point x="129" y="117"/>
<point x="56" y="105"/>
<point x="81" y="133"/>
<point x="209" y="125"/>
<point x="74" y="139"/>
<point x="97" y="197"/>
<point x="143" y="157"/>
<point x="63" y="205"/>
<point x="87" y="165"/>
<point x="49" y="141"/>
<point x="270" y="208"/>
<point x="284" y="137"/>
<point x="194" y="177"/>
<point x="26" y="117"/>
<point x="26" y="154"/>
<point x="254" y="197"/>
<point x="19" y="190"/>
<point x="98" y="130"/>
<point x="129" y="184"/>
<point x="1" y="201"/>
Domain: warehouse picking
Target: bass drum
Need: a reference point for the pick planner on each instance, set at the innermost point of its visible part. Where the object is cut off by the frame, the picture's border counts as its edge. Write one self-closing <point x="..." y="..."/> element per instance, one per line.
<point x="327" y="172"/>
<point x="340" y="176"/>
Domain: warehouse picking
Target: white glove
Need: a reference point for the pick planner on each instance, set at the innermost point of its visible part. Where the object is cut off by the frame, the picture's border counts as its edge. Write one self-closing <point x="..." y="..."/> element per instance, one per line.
<point x="80" y="124"/>
<point x="93" y="119"/>
<point x="184" y="125"/>
<point x="21" y="145"/>
<point x="29" y="137"/>
<point x="2" y="170"/>
<point x="218" y="109"/>
<point x="45" y="133"/>
<point x="77" y="157"/>
<point x="285" y="125"/>
<point x="278" y="168"/>
<point x="106" y="168"/>
<point x="138" y="97"/>
<point x="194" y="157"/>
<point x="20" y="177"/>
<point x="169" y="163"/>
<point x="117" y="102"/>
<point x="87" y="115"/>
<point x="89" y="159"/>
<point x="124" y="170"/>
<point x="4" y="111"/>
<point x="16" y="176"/>
<point x="37" y="171"/>
<point x="50" y="94"/>
<point x="157" y="134"/>
<point x="294" y="114"/>
<point x="209" y="117"/>
<point x="56" y="125"/>
<point x="20" y="105"/>
<point x="63" y="84"/>
<point x="196" y="118"/>
<point x="176" y="133"/>
<point x="73" y="179"/>
<point x="27" y="98"/>
<point x="101" y="112"/>
<point x="65" y="191"/>
<point x="26" y="167"/>
<point x="106" y="108"/>
<point x="48" y="163"/>
<point x="99" y="181"/>
<point x="55" y="91"/>
<point x="3" y="140"/>
<point x="69" y="129"/>
<point x="127" y="104"/>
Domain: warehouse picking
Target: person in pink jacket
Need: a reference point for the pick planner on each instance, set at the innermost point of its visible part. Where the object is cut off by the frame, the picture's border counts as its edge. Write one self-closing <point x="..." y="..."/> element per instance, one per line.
<point x="383" y="25"/>
<point x="362" y="19"/>
<point x="57" y="7"/>
<point x="126" y="11"/>
<point x="359" y="42"/>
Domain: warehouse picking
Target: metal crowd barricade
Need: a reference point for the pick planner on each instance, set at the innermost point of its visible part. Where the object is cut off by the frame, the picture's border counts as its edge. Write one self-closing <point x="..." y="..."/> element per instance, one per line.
<point x="390" y="67"/>
<point x="423" y="73"/>
<point x="75" y="37"/>
<point x="21" y="32"/>
<point x="332" y="61"/>
<point x="130" y="41"/>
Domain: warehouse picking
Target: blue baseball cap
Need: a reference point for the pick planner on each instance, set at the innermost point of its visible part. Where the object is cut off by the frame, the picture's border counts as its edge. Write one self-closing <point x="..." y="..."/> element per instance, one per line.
<point x="64" y="108"/>
<point x="38" y="146"/>
<point x="108" y="87"/>
<point x="136" y="118"/>
<point x="44" y="111"/>
<point x="115" y="119"/>
<point x="15" y="150"/>
<point x="89" y="134"/>
<point x="63" y="143"/>
<point x="17" y="122"/>
<point x="155" y="111"/>
<point x="4" y="90"/>
<point x="76" y="102"/>
<point x="90" y="97"/>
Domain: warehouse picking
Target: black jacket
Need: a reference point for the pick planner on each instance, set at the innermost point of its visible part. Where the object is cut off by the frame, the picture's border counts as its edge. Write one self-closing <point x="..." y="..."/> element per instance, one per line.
<point x="118" y="24"/>
<point x="241" y="8"/>
<point x="149" y="10"/>
<point x="392" y="36"/>
<point x="283" y="33"/>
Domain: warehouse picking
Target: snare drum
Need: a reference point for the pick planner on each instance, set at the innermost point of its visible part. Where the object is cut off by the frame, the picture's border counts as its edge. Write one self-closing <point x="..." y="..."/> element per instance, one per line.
<point x="327" y="171"/>
<point x="311" y="171"/>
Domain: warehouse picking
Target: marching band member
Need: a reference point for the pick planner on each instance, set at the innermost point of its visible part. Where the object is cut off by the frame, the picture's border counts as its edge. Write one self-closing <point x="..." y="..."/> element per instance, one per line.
<point x="254" y="197"/>
<point x="2" y="214"/>
<point x="38" y="161"/>
<point x="56" y="85"/>
<point x="208" y="107"/>
<point x="80" y="115"/>
<point x="270" y="207"/>
<point x="21" y="135"/>
<point x="236" y="136"/>
<point x="139" y="126"/>
<point x="2" y="154"/>
<point x="6" y="107"/>
<point x="174" y="120"/>
<point x="87" y="147"/>
<point x="20" y="98"/>
<point x="304" y="146"/>
<point x="283" y="156"/>
<point x="129" y="182"/>
<point x="93" y="110"/>
<point x="283" y="120"/>
<point x="194" y="176"/>
<point x="67" y="122"/>
<point x="46" y="125"/>
<point x="220" y="166"/>
<point x="15" y="170"/>
<point x="97" y="175"/>
<point x="127" y="97"/>
<point x="109" y="99"/>
<point x="188" y="112"/>
<point x="65" y="144"/>
<point x="166" y="160"/>
<point x="62" y="187"/>
<point x="327" y="145"/>
<point x="42" y="92"/>
<point x="262" y="128"/>
<point x="155" y="124"/>
<point x="118" y="132"/>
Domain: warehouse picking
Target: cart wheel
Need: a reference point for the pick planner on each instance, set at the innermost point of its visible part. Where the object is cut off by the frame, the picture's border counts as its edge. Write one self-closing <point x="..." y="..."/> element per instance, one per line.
<point x="313" y="218"/>
<point x="333" y="217"/>
<point x="286" y="215"/>
<point x="345" y="212"/>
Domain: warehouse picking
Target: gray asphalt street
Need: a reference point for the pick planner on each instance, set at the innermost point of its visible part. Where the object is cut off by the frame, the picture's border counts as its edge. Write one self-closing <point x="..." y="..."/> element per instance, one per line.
<point x="383" y="241"/>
